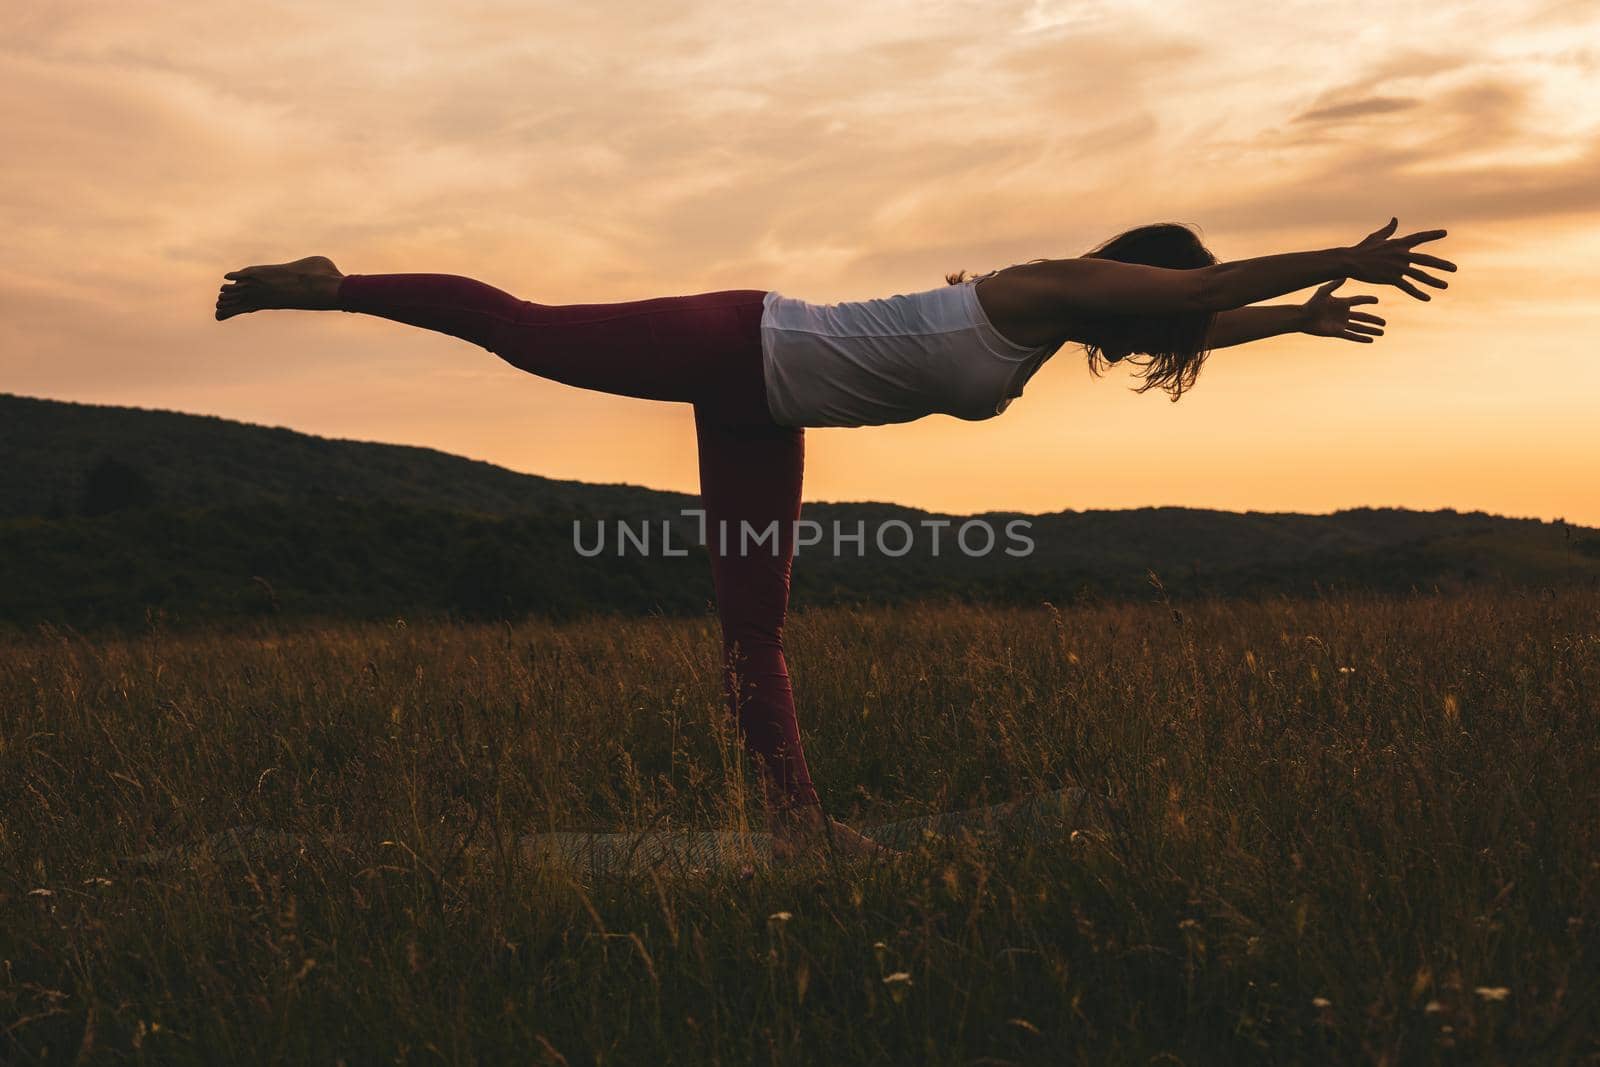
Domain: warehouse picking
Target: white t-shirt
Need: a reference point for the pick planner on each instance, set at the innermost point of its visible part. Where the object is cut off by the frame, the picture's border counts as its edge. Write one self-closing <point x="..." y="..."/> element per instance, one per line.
<point x="892" y="359"/>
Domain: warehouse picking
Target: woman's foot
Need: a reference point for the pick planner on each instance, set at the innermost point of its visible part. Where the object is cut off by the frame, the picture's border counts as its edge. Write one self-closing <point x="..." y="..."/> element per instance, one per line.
<point x="805" y="830"/>
<point x="309" y="284"/>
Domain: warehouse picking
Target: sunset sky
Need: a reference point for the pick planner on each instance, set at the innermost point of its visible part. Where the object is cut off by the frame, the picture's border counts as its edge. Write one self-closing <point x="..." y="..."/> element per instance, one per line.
<point x="832" y="151"/>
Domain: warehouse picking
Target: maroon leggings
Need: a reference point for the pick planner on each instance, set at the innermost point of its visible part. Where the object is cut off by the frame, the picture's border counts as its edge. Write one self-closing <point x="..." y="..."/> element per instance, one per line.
<point x="703" y="350"/>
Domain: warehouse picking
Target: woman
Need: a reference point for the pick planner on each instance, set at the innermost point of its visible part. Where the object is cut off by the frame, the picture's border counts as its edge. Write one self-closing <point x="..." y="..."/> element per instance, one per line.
<point x="759" y="367"/>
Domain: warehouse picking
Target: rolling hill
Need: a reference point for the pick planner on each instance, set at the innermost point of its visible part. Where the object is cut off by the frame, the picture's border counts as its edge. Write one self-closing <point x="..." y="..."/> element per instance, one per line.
<point x="110" y="516"/>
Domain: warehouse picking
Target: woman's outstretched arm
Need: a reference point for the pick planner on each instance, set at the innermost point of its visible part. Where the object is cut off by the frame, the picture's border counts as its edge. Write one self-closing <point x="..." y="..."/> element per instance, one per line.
<point x="1324" y="315"/>
<point x="1090" y="286"/>
<point x="1238" y="326"/>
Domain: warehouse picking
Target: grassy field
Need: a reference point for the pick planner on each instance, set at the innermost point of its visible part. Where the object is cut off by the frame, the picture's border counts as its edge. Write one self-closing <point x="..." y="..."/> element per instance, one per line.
<point x="1346" y="830"/>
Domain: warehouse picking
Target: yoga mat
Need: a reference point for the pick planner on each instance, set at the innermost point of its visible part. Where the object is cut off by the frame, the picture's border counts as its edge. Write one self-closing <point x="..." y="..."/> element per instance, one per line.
<point x="1041" y="817"/>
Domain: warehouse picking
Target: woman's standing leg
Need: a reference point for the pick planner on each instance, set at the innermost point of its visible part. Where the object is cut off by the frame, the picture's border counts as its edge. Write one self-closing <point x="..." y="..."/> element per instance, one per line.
<point x="750" y="477"/>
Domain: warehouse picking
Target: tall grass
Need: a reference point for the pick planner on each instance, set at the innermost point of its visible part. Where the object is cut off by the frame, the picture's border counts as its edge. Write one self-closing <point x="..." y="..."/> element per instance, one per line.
<point x="1356" y="829"/>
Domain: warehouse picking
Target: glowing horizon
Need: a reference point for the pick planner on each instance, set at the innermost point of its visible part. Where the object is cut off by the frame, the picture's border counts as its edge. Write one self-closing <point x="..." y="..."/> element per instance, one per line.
<point x="830" y="152"/>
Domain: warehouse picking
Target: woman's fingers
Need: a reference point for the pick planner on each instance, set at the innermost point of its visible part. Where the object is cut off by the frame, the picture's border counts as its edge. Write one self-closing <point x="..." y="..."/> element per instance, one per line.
<point x="1362" y="316"/>
<point x="1363" y="338"/>
<point x="1423" y="235"/>
<point x="1405" y="286"/>
<point x="1361" y="327"/>
<point x="1377" y="237"/>
<point x="1368" y="299"/>
<point x="1432" y="261"/>
<point x="1427" y="279"/>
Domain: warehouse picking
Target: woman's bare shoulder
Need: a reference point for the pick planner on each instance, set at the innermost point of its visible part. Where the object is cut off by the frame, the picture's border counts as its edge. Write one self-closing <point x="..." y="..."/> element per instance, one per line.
<point x="1020" y="302"/>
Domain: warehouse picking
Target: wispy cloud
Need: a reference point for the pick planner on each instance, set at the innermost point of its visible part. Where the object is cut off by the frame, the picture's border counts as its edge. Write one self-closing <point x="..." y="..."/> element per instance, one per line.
<point x="1355" y="109"/>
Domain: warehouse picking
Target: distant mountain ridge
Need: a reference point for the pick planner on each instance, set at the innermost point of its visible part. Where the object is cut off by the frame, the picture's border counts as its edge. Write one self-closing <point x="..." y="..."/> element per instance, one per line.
<point x="109" y="513"/>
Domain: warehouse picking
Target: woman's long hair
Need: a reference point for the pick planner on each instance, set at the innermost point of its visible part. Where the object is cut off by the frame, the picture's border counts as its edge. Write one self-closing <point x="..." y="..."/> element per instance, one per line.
<point x="1173" y="346"/>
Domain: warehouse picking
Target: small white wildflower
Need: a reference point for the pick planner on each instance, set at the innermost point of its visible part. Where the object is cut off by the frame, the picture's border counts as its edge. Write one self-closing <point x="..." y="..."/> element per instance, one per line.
<point x="779" y="917"/>
<point x="1496" y="992"/>
<point x="1347" y="670"/>
<point x="897" y="977"/>
<point x="1321" y="1002"/>
<point x="41" y="892"/>
<point x="1433" y="1007"/>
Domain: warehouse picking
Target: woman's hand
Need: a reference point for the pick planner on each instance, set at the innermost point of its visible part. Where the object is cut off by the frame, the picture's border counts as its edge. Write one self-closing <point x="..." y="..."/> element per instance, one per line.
<point x="1390" y="261"/>
<point x="1327" y="315"/>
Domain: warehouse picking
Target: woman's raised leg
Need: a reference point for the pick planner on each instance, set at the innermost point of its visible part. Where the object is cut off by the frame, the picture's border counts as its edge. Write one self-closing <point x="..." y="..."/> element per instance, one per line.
<point x="702" y="348"/>
<point x="665" y="348"/>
